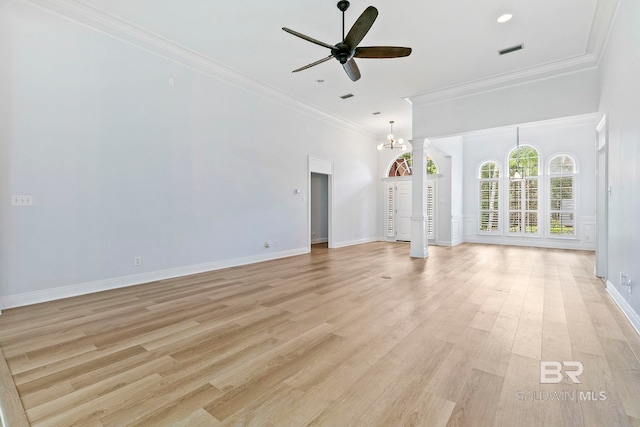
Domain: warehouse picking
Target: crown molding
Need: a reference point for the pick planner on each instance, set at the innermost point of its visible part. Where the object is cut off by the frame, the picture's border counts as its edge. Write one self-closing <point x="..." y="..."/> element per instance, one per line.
<point x="603" y="18"/>
<point x="116" y="27"/>
<point x="590" y="119"/>
<point x="516" y="78"/>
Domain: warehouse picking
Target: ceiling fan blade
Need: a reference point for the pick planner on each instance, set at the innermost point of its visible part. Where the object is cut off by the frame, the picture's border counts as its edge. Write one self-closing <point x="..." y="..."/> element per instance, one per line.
<point x="361" y="27"/>
<point x="313" y="64"/>
<point x="307" y="38"/>
<point x="382" y="52"/>
<point x="352" y="69"/>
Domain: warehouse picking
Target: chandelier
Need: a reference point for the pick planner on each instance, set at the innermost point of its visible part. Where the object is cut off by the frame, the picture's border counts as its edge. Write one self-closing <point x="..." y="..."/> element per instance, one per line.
<point x="399" y="144"/>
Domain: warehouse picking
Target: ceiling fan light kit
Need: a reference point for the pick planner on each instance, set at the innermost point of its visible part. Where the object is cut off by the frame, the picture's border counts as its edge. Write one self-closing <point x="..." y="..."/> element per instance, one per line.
<point x="346" y="50"/>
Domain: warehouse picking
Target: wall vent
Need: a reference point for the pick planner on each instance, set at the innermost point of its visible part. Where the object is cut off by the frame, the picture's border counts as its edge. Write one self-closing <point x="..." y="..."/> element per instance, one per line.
<point x="349" y="95"/>
<point x="511" y="49"/>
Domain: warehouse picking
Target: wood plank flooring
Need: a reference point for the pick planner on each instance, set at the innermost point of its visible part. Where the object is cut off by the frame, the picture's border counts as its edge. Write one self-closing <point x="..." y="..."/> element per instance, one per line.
<point x="326" y="339"/>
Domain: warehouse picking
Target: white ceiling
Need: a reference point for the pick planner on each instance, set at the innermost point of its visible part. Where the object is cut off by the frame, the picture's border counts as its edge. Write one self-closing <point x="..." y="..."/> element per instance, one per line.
<point x="455" y="42"/>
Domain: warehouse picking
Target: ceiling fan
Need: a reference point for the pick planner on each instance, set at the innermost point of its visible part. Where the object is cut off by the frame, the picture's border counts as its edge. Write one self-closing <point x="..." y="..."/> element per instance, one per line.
<point x="348" y="49"/>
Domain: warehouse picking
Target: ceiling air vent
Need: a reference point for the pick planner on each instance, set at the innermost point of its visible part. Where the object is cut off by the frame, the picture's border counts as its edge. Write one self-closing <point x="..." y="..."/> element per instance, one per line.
<point x="511" y="49"/>
<point x="376" y="113"/>
<point x="349" y="95"/>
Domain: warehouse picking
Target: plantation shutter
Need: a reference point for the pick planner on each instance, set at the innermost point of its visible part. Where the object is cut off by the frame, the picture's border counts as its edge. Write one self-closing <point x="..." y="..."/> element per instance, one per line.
<point x="390" y="212"/>
<point x="429" y="211"/>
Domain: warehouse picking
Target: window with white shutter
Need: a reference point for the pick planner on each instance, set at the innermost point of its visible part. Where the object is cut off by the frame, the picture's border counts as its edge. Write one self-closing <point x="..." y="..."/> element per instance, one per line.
<point x="489" y="182"/>
<point x="429" y="210"/>
<point x="523" y="193"/>
<point x="390" y="213"/>
<point x="562" y="169"/>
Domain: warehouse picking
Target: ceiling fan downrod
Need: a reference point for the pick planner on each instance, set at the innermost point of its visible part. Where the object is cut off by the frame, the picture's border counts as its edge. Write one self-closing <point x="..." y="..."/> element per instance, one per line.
<point x="343" y="5"/>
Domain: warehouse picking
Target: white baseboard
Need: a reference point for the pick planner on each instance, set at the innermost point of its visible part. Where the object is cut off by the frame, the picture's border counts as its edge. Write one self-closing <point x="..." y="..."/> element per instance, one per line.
<point x="624" y="305"/>
<point x="450" y="243"/>
<point x="137" y="279"/>
<point x="537" y="242"/>
<point x="319" y="240"/>
<point x="354" y="242"/>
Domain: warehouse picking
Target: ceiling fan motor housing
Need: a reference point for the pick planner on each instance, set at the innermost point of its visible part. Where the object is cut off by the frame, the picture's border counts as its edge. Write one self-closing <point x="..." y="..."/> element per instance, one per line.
<point x="342" y="52"/>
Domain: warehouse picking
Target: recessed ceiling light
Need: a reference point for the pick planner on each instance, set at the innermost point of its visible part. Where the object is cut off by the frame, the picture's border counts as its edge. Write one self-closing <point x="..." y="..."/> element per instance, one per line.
<point x="504" y="18"/>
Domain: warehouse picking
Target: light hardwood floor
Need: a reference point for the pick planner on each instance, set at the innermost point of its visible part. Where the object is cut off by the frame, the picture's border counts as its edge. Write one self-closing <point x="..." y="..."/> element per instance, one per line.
<point x="327" y="339"/>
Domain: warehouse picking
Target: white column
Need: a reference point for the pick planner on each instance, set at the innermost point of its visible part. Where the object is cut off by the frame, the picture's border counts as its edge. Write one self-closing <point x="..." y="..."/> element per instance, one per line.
<point x="419" y="240"/>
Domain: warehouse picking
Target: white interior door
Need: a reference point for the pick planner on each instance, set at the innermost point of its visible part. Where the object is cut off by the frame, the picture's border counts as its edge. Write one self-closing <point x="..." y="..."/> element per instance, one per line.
<point x="403" y="211"/>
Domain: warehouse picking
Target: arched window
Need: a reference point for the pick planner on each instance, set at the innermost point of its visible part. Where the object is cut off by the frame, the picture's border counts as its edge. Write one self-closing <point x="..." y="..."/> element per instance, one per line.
<point x="562" y="206"/>
<point x="489" y="196"/>
<point x="523" y="190"/>
<point x="402" y="166"/>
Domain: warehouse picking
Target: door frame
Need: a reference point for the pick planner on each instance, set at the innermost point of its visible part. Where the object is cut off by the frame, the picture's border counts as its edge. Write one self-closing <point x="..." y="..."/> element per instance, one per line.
<point x="324" y="167"/>
<point x="602" y="199"/>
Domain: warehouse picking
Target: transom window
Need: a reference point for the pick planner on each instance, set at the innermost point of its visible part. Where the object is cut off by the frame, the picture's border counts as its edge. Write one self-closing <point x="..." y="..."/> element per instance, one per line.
<point x="402" y="166"/>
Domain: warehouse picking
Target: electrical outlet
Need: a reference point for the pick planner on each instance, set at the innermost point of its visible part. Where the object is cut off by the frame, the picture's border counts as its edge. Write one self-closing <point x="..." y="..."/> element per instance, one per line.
<point x="137" y="261"/>
<point x="625" y="281"/>
<point x="21" y="200"/>
<point x="267" y="244"/>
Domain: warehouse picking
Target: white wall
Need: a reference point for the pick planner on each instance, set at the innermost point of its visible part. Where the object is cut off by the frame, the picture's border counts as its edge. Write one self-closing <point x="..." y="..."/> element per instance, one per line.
<point x="190" y="176"/>
<point x="565" y="95"/>
<point x="573" y="135"/>
<point x="449" y="154"/>
<point x="620" y="100"/>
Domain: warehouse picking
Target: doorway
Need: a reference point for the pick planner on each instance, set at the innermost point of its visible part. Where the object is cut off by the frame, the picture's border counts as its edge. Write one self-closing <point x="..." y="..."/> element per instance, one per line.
<point x="319" y="196"/>
<point x="320" y="203"/>
<point x="398" y="210"/>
